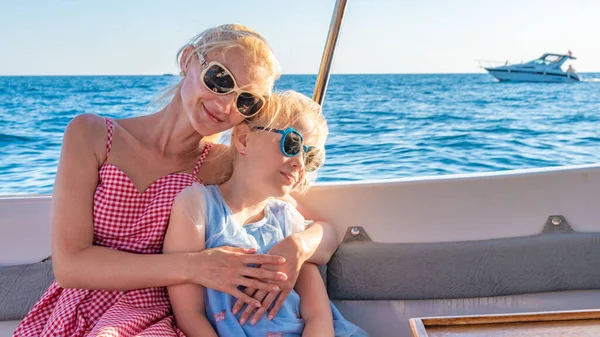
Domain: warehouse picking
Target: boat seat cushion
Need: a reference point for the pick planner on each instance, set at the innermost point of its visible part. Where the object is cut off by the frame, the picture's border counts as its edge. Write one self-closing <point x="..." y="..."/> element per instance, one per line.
<point x="406" y="271"/>
<point x="21" y="287"/>
<point x="413" y="271"/>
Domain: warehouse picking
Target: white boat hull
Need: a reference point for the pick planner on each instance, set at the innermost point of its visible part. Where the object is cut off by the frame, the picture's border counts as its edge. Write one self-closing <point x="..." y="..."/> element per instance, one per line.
<point x="524" y="76"/>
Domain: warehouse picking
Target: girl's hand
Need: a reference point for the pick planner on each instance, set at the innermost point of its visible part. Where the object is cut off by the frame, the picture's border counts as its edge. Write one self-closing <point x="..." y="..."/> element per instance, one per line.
<point x="226" y="268"/>
<point x="295" y="254"/>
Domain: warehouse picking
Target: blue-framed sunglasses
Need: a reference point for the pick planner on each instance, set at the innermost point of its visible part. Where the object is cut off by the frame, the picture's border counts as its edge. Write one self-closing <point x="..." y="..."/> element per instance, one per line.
<point x="292" y="144"/>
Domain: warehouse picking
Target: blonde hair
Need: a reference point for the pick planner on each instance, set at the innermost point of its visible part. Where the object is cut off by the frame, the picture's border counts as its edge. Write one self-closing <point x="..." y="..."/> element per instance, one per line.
<point x="285" y="109"/>
<point x="222" y="38"/>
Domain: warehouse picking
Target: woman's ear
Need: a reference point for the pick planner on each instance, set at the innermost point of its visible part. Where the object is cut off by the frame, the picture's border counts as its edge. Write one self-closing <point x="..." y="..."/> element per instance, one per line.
<point x="185" y="60"/>
<point x="239" y="138"/>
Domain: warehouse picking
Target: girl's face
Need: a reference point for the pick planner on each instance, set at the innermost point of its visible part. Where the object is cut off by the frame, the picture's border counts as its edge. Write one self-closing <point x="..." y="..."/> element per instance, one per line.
<point x="266" y="164"/>
<point x="208" y="112"/>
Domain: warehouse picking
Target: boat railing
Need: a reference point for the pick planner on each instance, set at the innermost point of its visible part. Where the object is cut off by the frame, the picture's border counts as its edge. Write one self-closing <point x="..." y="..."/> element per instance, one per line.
<point x="492" y="64"/>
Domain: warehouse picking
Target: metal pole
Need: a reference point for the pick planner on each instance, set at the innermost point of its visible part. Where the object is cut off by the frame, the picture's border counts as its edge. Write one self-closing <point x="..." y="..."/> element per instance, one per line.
<point x="332" y="37"/>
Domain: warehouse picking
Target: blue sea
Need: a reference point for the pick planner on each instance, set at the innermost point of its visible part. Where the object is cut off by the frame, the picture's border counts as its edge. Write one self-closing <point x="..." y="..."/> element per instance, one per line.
<point x="381" y="126"/>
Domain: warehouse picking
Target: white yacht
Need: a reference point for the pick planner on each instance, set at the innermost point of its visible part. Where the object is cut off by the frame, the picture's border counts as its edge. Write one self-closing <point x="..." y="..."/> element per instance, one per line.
<point x="547" y="68"/>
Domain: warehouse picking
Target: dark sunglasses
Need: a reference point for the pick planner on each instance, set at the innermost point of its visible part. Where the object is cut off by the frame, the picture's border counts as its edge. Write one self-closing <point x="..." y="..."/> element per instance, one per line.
<point x="292" y="144"/>
<point x="218" y="79"/>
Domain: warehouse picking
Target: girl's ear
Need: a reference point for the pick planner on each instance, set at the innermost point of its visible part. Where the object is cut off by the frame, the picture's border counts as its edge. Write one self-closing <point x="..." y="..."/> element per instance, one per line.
<point x="186" y="58"/>
<point x="240" y="137"/>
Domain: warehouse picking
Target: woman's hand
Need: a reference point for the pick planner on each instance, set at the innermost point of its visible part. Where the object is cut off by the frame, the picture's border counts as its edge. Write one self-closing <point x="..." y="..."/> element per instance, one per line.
<point x="226" y="268"/>
<point x="295" y="253"/>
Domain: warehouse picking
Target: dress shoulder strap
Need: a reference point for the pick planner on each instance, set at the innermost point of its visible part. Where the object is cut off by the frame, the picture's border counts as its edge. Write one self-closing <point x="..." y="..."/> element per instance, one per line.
<point x="207" y="148"/>
<point x="109" y="126"/>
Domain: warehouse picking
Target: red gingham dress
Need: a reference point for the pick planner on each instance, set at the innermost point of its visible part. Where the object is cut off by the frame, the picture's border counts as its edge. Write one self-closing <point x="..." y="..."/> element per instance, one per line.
<point x="127" y="220"/>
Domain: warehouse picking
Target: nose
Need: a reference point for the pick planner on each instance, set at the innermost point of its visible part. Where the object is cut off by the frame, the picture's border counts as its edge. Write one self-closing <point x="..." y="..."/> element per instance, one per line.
<point x="297" y="162"/>
<point x="225" y="103"/>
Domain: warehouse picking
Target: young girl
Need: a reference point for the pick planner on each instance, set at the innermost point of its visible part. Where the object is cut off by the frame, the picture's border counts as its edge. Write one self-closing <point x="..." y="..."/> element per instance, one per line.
<point x="116" y="182"/>
<point x="274" y="155"/>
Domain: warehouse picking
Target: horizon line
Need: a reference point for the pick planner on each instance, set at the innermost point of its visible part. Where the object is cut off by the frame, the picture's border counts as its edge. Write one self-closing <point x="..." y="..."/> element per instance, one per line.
<point x="286" y="74"/>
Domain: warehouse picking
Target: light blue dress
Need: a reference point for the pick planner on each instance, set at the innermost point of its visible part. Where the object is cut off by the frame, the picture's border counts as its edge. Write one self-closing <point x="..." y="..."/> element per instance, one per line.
<point x="281" y="219"/>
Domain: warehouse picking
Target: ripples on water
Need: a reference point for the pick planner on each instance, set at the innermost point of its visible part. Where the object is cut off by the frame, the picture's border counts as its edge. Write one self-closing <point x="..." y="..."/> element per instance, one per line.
<point x="381" y="126"/>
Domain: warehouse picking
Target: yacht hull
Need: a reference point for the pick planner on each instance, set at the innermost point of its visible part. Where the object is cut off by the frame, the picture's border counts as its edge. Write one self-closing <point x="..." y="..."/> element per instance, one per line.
<point x="527" y="76"/>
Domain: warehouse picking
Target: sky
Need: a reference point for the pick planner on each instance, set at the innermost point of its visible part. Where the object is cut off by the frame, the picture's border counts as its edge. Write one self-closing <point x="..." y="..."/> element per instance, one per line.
<point x="85" y="37"/>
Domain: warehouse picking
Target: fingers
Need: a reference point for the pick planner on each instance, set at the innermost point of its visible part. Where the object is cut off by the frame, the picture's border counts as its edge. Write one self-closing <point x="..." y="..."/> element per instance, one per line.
<point x="259" y="295"/>
<point x="263" y="259"/>
<point x="252" y="283"/>
<point x="239" y="250"/>
<point x="245" y="314"/>
<point x="260" y="273"/>
<point x="266" y="303"/>
<point x="279" y="303"/>
<point x="244" y="298"/>
<point x="240" y="304"/>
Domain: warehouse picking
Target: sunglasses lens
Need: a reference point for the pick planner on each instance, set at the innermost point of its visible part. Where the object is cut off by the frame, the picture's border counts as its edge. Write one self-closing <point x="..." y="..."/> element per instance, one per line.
<point x="313" y="159"/>
<point x="218" y="80"/>
<point x="248" y="104"/>
<point x="292" y="144"/>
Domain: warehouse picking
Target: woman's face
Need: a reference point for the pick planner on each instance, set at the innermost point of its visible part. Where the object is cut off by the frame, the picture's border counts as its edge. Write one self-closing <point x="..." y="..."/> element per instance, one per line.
<point x="208" y="112"/>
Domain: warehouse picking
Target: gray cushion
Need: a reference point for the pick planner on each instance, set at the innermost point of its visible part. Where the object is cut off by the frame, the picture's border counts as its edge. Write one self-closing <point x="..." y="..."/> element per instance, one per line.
<point x="411" y="271"/>
<point x="21" y="287"/>
<point x="406" y="271"/>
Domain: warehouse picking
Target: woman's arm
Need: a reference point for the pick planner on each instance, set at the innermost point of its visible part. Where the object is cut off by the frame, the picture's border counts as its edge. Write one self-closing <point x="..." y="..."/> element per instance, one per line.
<point x="314" y="302"/>
<point x="318" y="242"/>
<point x="187" y="234"/>
<point x="295" y="249"/>
<point x="78" y="263"/>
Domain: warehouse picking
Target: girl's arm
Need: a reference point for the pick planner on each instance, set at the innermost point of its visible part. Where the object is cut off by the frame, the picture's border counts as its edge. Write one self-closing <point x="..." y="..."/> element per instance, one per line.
<point x="78" y="263"/>
<point x="186" y="233"/>
<point x="314" y="302"/>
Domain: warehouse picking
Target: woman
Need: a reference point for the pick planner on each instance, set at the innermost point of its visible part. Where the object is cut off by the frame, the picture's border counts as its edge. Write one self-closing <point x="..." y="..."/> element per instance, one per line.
<point x="116" y="182"/>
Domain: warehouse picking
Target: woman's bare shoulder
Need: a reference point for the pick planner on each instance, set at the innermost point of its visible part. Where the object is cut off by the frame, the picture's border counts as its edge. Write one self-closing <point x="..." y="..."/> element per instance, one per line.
<point x="88" y="123"/>
<point x="87" y="132"/>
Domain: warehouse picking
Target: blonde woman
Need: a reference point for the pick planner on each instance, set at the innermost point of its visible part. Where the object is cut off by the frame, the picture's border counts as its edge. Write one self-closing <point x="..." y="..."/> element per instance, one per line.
<point x="115" y="185"/>
<point x="274" y="155"/>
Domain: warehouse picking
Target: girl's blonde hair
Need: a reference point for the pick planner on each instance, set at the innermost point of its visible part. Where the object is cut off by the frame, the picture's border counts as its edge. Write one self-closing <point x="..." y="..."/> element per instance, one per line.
<point x="285" y="109"/>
